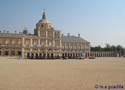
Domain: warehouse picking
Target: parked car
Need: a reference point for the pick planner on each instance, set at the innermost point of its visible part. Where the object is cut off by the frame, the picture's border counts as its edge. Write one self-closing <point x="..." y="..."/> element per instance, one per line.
<point x="91" y="57"/>
<point x="81" y="57"/>
<point x="65" y="57"/>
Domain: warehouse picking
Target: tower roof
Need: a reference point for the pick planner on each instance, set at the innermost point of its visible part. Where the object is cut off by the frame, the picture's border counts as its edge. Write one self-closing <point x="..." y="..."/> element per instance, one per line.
<point x="44" y="15"/>
<point x="44" y="18"/>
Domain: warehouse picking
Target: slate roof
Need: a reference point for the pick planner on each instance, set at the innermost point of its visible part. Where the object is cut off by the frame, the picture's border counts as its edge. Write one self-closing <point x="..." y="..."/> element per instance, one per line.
<point x="73" y="39"/>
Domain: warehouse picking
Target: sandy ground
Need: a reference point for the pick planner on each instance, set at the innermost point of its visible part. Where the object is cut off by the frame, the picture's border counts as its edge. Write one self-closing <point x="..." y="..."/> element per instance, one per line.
<point x="85" y="74"/>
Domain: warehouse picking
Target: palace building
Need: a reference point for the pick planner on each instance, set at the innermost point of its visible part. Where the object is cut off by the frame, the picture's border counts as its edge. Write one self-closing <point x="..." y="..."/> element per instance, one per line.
<point x="45" y="43"/>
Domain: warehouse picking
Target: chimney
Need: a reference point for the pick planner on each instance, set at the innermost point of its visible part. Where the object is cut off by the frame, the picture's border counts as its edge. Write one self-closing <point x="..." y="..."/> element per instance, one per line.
<point x="62" y="35"/>
<point x="79" y="35"/>
<point x="4" y="31"/>
<point x="68" y="34"/>
<point x="15" y="31"/>
<point x="7" y="31"/>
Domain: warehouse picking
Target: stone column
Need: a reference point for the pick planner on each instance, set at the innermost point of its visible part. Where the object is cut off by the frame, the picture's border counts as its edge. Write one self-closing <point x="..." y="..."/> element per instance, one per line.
<point x="46" y="43"/>
<point x="16" y="52"/>
<point x="2" y="51"/>
<point x="53" y="39"/>
<point x="39" y="42"/>
<point x="53" y="43"/>
<point x="23" y="40"/>
<point x="22" y="52"/>
<point x="46" y="34"/>
<point x="23" y="45"/>
<point x="85" y="46"/>
<point x="39" y="33"/>
<point x="46" y="39"/>
<point x="60" y="43"/>
<point x="53" y="35"/>
<point x="39" y="45"/>
<point x="46" y="55"/>
<point x="31" y="49"/>
<point x="34" y="55"/>
<point x="31" y="42"/>
<point x="9" y="52"/>
<point x="60" y="48"/>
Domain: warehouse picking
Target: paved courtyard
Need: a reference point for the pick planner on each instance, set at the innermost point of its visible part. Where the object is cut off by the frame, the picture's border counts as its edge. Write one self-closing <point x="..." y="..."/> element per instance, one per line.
<point x="87" y="74"/>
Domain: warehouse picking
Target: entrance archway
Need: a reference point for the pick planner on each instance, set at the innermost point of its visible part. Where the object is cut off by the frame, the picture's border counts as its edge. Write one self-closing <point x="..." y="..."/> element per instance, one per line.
<point x="52" y="56"/>
<point x="32" y="55"/>
<point x="28" y="55"/>
<point x="6" y="53"/>
<point x="36" y="56"/>
<point x="44" y="55"/>
<point x="40" y="56"/>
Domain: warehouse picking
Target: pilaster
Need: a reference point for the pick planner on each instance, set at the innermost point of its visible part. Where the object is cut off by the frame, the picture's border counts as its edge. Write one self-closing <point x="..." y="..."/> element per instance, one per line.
<point x="31" y="42"/>
<point x="23" y="42"/>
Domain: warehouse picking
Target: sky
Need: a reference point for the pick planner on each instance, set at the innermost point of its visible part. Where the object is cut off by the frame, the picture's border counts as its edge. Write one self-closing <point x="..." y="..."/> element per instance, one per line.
<point x="98" y="21"/>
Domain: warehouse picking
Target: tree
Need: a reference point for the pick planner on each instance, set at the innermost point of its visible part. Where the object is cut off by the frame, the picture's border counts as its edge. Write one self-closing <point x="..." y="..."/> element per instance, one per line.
<point x="107" y="47"/>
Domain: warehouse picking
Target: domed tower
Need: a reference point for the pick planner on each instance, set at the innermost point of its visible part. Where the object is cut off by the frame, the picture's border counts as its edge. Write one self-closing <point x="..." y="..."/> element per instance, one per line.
<point x="42" y="26"/>
<point x="49" y="37"/>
